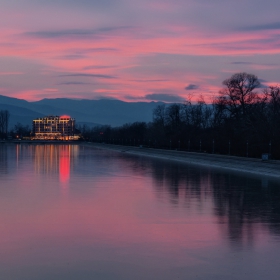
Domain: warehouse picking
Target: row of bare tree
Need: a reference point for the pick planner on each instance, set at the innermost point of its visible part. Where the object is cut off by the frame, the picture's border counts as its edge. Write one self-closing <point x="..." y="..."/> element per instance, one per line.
<point x="244" y="119"/>
<point x="4" y="123"/>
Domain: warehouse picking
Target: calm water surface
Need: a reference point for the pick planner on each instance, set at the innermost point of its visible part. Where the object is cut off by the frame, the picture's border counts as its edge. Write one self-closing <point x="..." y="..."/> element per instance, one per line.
<point x="73" y="212"/>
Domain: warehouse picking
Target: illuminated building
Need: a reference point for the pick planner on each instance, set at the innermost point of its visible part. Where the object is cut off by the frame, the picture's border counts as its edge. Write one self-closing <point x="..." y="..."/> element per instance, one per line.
<point x="54" y="128"/>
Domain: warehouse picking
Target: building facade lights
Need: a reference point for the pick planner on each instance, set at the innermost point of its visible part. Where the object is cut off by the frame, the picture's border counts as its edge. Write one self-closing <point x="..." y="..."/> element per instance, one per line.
<point x="54" y="128"/>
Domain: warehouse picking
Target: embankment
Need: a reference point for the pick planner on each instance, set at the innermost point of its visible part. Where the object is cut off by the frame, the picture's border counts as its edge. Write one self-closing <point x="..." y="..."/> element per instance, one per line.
<point x="269" y="168"/>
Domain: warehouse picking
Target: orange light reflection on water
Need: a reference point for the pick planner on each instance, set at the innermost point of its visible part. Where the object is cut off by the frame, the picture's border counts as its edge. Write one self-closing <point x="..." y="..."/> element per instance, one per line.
<point x="64" y="164"/>
<point x="53" y="159"/>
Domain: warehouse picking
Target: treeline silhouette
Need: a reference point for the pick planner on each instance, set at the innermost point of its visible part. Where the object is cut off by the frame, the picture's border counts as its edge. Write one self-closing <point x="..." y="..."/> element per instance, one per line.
<point x="4" y="121"/>
<point x="243" y="120"/>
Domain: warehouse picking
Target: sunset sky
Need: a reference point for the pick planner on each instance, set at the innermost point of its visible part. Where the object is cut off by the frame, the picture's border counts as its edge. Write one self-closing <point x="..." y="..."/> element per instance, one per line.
<point x="161" y="50"/>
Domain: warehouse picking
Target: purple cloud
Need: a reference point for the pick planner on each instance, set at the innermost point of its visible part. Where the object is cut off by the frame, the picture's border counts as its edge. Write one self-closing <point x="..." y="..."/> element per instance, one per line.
<point x="191" y="87"/>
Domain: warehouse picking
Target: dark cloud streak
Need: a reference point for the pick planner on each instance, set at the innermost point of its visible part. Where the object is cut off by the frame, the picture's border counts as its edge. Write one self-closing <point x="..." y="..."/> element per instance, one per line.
<point x="71" y="57"/>
<point x="165" y="97"/>
<point x="52" y="34"/>
<point x="88" y="75"/>
<point x="151" y="80"/>
<point x="270" y="26"/>
<point x="100" y="67"/>
<point x="85" y="4"/>
<point x="191" y="87"/>
<point x="242" y="63"/>
<point x="74" y="83"/>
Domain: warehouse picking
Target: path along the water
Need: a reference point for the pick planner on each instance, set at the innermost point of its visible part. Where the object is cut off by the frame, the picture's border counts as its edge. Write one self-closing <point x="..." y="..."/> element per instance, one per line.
<point x="269" y="168"/>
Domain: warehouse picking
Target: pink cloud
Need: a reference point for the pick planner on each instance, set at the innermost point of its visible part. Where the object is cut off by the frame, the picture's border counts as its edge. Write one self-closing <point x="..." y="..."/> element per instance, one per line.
<point x="66" y="48"/>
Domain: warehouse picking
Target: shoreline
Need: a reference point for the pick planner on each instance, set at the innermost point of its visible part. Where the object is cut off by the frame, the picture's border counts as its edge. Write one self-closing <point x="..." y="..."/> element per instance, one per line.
<point x="253" y="166"/>
<point x="270" y="168"/>
<point x="37" y="142"/>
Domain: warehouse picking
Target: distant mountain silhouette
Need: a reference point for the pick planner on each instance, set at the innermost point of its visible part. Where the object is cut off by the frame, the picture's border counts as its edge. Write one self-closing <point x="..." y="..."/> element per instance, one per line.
<point x="20" y="115"/>
<point x="90" y="112"/>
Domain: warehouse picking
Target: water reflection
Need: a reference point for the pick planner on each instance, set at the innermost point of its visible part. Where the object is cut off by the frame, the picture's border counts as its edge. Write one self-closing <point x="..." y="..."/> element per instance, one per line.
<point x="126" y="217"/>
<point x="54" y="159"/>
<point x="242" y="203"/>
<point x="237" y="201"/>
<point x="64" y="164"/>
<point x="3" y="159"/>
<point x="48" y="159"/>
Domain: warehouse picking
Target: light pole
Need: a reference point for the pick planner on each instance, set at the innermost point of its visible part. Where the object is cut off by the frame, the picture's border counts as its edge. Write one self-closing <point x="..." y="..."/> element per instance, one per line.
<point x="213" y="150"/>
<point x="270" y="148"/>
<point x="200" y="145"/>
<point x="170" y="144"/>
<point x="179" y="144"/>
<point x="189" y="143"/>
<point x="229" y="147"/>
<point x="247" y="149"/>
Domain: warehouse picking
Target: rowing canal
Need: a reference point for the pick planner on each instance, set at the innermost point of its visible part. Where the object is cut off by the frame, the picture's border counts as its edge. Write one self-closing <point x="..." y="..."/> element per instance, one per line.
<point x="76" y="212"/>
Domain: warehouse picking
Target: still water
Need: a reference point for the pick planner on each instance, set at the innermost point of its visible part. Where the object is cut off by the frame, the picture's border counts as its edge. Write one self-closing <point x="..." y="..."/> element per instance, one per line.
<point x="73" y="212"/>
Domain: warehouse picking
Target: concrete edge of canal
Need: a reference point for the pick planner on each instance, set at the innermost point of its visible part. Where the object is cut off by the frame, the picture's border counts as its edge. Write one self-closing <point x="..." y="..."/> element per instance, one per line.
<point x="269" y="168"/>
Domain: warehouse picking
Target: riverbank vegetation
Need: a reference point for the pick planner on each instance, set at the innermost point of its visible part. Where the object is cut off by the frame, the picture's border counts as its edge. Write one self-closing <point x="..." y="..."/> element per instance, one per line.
<point x="4" y="123"/>
<point x="243" y="120"/>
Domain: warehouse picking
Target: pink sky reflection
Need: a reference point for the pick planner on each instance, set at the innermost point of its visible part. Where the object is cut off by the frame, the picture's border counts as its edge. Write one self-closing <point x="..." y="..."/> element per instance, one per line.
<point x="114" y="210"/>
